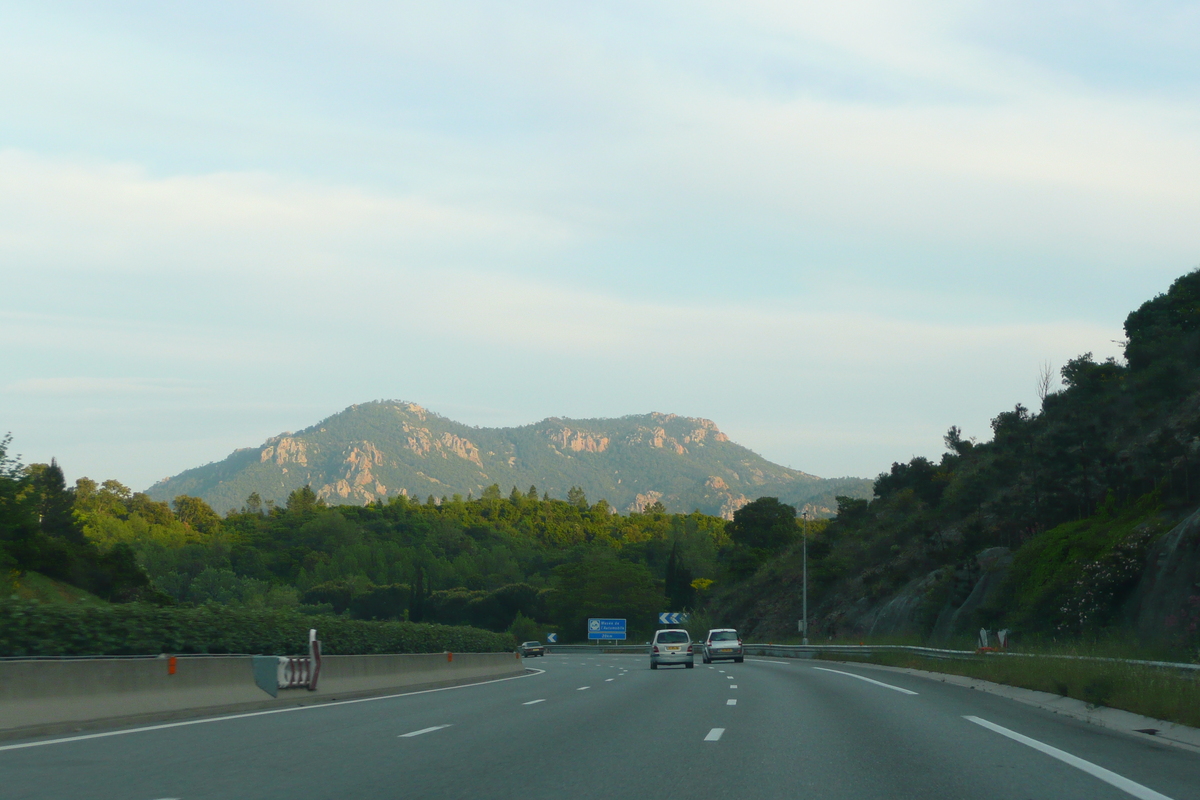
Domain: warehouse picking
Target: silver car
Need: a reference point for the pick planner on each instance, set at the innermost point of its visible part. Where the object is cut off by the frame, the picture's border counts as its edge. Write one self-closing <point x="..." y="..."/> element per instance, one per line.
<point x="671" y="646"/>
<point x="722" y="643"/>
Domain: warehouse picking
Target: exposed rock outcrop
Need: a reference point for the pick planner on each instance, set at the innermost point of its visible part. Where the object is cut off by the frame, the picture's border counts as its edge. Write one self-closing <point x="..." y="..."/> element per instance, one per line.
<point x="578" y="441"/>
<point x="380" y="449"/>
<point x="1167" y="596"/>
<point x="644" y="501"/>
<point x="285" y="449"/>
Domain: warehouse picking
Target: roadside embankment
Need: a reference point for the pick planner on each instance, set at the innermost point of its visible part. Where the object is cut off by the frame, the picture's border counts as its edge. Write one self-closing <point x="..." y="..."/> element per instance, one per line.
<point x="43" y="696"/>
<point x="1163" y="691"/>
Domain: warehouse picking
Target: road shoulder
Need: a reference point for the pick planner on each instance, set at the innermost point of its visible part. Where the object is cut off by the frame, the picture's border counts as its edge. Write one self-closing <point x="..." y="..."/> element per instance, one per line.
<point x="1115" y="719"/>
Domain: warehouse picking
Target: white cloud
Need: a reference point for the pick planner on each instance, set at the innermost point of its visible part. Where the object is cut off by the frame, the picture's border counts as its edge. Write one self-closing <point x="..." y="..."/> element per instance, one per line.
<point x="88" y="216"/>
<point x="89" y="386"/>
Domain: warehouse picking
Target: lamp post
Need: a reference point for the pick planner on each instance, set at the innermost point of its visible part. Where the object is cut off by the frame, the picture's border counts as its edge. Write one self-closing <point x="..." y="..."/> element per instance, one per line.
<point x="805" y="623"/>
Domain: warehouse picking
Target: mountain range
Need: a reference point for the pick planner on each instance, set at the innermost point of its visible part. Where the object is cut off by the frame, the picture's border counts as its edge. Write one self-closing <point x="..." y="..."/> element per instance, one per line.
<point x="383" y="449"/>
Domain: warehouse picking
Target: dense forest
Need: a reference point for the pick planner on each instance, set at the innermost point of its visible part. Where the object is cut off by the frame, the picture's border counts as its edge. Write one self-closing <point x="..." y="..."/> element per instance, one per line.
<point x="519" y="562"/>
<point x="1063" y="504"/>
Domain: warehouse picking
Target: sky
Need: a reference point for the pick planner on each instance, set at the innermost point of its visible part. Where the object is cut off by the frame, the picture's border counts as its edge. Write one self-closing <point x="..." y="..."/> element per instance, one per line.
<point x="836" y="229"/>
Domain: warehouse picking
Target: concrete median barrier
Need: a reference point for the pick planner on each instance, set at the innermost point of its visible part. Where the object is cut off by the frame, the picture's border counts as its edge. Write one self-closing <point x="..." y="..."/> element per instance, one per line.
<point x="53" y="696"/>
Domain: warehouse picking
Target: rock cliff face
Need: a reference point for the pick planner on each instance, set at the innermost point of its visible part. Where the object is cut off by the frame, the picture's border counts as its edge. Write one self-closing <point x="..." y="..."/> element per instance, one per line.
<point x="378" y="450"/>
<point x="1166" y="602"/>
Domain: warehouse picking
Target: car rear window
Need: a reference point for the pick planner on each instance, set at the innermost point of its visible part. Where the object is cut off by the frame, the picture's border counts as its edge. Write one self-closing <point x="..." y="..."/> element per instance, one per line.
<point x="671" y="637"/>
<point x="724" y="636"/>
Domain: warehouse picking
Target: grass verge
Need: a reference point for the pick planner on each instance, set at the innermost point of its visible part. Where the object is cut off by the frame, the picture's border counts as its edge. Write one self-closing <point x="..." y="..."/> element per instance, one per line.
<point x="1155" y="692"/>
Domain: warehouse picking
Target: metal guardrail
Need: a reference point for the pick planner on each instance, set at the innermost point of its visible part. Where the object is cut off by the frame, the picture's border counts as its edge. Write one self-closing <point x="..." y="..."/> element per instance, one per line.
<point x="597" y="649"/>
<point x="868" y="650"/>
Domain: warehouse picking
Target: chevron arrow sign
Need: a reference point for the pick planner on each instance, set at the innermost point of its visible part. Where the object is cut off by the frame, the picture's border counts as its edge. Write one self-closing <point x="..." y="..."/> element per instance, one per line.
<point x="672" y="618"/>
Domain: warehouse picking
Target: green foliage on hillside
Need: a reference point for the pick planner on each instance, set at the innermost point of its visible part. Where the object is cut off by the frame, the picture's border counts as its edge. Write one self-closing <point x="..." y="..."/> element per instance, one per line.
<point x="39" y="629"/>
<point x="1073" y="578"/>
<point x="41" y="533"/>
<point x="504" y="561"/>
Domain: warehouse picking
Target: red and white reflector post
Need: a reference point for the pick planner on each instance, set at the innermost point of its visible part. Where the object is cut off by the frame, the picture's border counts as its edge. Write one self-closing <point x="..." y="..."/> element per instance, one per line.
<point x="300" y="672"/>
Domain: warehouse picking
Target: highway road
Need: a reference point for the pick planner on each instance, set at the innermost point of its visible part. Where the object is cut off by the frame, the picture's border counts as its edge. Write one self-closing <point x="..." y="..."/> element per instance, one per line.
<point x="609" y="727"/>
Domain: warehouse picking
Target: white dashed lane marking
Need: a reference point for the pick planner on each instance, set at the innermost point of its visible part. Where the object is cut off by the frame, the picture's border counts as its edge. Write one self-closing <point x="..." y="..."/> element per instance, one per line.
<point x="531" y="702"/>
<point x="731" y="702"/>
<point x="714" y="735"/>
<point x="868" y="680"/>
<point x="1109" y="777"/>
<point x="411" y="734"/>
<point x="581" y="688"/>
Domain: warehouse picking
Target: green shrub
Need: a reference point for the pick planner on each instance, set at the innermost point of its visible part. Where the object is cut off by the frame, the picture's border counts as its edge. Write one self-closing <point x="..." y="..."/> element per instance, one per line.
<point x="35" y="629"/>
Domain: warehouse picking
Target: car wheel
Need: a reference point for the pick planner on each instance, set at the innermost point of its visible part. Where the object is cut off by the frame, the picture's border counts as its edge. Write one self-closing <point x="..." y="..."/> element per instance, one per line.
<point x="738" y="660"/>
<point x="706" y="660"/>
<point x="690" y="665"/>
<point x="653" y="665"/>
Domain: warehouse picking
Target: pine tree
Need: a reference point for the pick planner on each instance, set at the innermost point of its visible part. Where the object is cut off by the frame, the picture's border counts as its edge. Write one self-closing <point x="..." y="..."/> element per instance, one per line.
<point x="56" y="504"/>
<point x="416" y="600"/>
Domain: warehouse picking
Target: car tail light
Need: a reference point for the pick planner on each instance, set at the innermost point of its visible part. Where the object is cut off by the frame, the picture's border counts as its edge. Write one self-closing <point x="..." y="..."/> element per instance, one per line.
<point x="655" y="648"/>
<point x="689" y="648"/>
<point x="739" y="642"/>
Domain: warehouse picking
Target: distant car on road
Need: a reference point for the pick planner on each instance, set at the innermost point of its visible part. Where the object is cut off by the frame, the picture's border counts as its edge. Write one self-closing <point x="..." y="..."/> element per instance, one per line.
<point x="671" y="646"/>
<point x="721" y="643"/>
<point x="530" y="649"/>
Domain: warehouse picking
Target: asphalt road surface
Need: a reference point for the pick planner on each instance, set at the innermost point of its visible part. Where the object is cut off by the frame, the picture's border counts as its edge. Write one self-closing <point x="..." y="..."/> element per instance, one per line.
<point x="609" y="727"/>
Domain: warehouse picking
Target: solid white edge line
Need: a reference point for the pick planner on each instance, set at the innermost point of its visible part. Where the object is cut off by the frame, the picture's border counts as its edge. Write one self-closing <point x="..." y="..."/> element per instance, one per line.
<point x="714" y="735"/>
<point x="411" y="734"/>
<point x="531" y="702"/>
<point x="533" y="671"/>
<point x="1109" y="777"/>
<point x="868" y="680"/>
<point x="764" y="661"/>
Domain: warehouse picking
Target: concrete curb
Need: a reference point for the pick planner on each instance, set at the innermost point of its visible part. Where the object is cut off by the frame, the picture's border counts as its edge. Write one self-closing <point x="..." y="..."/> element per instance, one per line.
<point x="40" y="698"/>
<point x="1115" y="719"/>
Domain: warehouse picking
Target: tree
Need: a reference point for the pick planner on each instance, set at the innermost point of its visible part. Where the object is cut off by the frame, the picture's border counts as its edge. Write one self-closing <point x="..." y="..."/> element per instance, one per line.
<point x="765" y="524"/>
<point x="577" y="498"/>
<point x="955" y="443"/>
<point x="417" y="598"/>
<point x="56" y="504"/>
<point x="678" y="584"/>
<point x="197" y="515"/>
<point x="532" y="493"/>
<point x="18" y="516"/>
<point x="302" y="501"/>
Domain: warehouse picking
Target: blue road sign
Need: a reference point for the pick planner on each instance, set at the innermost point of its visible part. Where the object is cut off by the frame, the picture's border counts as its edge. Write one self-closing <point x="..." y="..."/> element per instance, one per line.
<point x="551" y="637"/>
<point x="606" y="628"/>
<point x="672" y="618"/>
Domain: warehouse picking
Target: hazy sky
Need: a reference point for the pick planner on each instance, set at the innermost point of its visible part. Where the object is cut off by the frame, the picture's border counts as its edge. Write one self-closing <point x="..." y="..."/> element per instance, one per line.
<point x="833" y="228"/>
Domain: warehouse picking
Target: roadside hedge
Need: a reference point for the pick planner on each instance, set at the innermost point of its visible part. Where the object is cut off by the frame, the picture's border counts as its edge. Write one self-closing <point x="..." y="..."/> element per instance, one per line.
<point x="29" y="628"/>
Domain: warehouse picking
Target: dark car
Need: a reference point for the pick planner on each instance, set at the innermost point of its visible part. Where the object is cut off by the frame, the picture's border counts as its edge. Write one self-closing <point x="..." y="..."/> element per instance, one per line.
<point x="529" y="649"/>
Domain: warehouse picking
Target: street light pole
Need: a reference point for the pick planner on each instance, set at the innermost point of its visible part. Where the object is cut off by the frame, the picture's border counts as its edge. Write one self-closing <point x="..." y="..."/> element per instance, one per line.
<point x="805" y="639"/>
